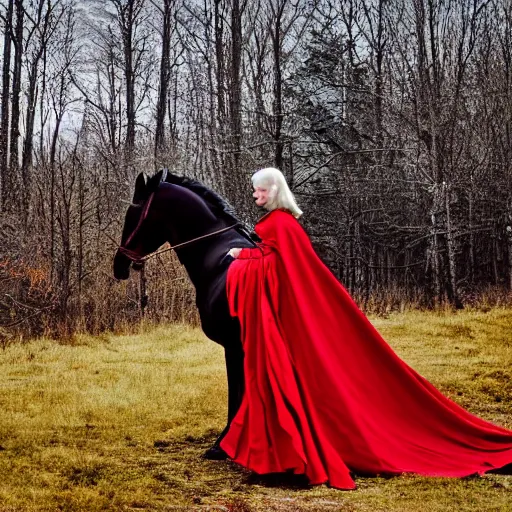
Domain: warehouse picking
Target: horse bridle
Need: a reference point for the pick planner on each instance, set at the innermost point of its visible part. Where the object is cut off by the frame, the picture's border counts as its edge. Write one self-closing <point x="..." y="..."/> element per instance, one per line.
<point x="133" y="256"/>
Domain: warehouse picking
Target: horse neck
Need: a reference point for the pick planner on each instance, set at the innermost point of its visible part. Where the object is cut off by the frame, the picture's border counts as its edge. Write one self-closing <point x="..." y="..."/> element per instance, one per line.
<point x="186" y="215"/>
<point x="187" y="218"/>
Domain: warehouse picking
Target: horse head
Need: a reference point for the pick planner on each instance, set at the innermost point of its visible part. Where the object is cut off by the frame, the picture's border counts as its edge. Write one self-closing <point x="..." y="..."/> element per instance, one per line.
<point x="138" y="238"/>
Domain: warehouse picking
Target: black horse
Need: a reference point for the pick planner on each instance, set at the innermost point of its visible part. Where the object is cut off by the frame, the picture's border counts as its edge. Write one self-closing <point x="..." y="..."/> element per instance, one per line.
<point x="174" y="209"/>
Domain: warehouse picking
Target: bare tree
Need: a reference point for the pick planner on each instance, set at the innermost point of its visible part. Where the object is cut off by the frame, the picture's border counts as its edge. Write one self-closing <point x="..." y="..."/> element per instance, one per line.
<point x="130" y="19"/>
<point x="44" y="20"/>
<point x="6" y="88"/>
<point x="17" y="40"/>
<point x="166" y="12"/>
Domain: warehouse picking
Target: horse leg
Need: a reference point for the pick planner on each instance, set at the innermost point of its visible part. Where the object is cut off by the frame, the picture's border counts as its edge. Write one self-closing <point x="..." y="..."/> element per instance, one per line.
<point x="235" y="371"/>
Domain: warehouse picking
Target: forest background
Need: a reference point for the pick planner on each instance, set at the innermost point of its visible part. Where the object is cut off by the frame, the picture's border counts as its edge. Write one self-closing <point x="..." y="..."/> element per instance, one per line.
<point x="391" y="119"/>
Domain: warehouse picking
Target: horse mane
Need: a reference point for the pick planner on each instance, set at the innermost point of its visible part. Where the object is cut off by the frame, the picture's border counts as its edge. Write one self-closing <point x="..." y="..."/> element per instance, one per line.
<point x="217" y="204"/>
<point x="221" y="208"/>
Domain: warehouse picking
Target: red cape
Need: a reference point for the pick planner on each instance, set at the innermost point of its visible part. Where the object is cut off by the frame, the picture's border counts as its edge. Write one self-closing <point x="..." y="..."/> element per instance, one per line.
<point x="325" y="394"/>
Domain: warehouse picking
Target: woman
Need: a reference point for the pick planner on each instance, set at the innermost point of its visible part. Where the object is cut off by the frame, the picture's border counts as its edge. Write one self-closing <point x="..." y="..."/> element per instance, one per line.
<point x="325" y="395"/>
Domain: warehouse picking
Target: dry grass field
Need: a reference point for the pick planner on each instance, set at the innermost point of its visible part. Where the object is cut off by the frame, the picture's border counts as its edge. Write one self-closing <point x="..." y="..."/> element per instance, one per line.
<point x="119" y="423"/>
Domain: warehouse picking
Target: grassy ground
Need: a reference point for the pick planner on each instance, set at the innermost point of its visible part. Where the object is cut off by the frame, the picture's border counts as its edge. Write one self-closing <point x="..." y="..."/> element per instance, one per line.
<point x="120" y="422"/>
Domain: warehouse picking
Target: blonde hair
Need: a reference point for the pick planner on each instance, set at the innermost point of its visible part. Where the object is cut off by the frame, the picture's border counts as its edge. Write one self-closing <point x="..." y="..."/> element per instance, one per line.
<point x="280" y="195"/>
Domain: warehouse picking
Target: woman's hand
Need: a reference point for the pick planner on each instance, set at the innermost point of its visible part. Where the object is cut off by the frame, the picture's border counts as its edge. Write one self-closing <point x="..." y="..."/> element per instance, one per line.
<point x="234" y="252"/>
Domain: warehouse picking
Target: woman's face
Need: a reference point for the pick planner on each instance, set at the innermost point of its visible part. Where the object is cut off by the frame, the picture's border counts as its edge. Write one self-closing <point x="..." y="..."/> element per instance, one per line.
<point x="261" y="195"/>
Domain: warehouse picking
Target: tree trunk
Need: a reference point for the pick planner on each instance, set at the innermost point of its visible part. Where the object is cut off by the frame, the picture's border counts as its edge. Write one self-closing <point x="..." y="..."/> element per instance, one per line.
<point x="4" y="124"/>
<point x="471" y="236"/>
<point x="142" y="292"/>
<point x="450" y="241"/>
<point x="130" y="95"/>
<point x="28" y="142"/>
<point x="16" y="92"/>
<point x="494" y="257"/>
<point x="128" y="14"/>
<point x="278" y="99"/>
<point x="219" y="119"/>
<point x="236" y="89"/>
<point x="508" y="231"/>
<point x="434" y="245"/>
<point x="221" y="66"/>
<point x="165" y="74"/>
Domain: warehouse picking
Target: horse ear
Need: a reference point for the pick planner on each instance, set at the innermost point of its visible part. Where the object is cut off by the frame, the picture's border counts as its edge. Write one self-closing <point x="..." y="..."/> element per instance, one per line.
<point x="139" y="196"/>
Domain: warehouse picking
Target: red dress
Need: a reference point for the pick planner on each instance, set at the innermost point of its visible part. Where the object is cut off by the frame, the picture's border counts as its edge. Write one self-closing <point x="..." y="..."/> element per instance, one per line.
<point x="325" y="395"/>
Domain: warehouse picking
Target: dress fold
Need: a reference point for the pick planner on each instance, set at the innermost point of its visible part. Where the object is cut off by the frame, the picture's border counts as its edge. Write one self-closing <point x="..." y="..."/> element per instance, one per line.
<point x="325" y="395"/>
